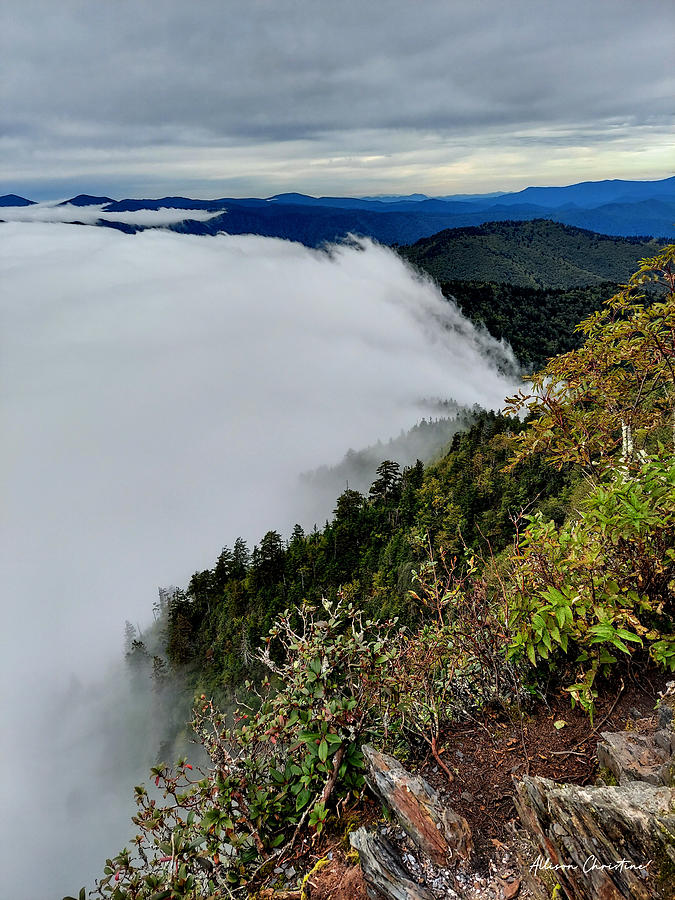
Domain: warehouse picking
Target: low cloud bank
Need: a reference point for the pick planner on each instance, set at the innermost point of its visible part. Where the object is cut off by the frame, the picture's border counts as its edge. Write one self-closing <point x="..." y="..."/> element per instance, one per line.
<point x="160" y="394"/>
<point x="89" y="215"/>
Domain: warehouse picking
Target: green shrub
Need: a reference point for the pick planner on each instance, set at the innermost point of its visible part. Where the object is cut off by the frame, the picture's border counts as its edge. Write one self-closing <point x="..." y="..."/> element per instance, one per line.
<point x="277" y="767"/>
<point x="601" y="584"/>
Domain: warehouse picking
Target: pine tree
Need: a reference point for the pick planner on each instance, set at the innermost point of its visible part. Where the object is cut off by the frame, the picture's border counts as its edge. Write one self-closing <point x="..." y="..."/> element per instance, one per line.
<point x="129" y="637"/>
<point x="385" y="487"/>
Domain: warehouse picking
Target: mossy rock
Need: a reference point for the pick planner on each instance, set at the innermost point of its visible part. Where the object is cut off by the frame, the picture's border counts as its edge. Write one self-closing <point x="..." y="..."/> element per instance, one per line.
<point x="606" y="778"/>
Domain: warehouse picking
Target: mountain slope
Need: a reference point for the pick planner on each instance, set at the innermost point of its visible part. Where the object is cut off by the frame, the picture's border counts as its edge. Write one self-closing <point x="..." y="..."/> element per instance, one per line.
<point x="15" y="200"/>
<point x="535" y="254"/>
<point x="593" y="193"/>
<point x="630" y="218"/>
<point x="315" y="225"/>
<point x="537" y="323"/>
<point x="86" y="200"/>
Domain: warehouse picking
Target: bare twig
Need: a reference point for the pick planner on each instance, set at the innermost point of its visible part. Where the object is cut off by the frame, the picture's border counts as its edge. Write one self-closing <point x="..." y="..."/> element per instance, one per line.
<point x="332" y="778"/>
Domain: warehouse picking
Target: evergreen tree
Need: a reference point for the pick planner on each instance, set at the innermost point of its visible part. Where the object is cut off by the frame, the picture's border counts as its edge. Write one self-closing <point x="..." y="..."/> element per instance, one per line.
<point x="129" y="636"/>
<point x="386" y="486"/>
<point x="240" y="559"/>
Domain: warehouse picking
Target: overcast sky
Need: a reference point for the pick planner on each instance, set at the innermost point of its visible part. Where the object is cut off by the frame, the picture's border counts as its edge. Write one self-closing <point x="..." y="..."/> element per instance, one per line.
<point x="253" y="97"/>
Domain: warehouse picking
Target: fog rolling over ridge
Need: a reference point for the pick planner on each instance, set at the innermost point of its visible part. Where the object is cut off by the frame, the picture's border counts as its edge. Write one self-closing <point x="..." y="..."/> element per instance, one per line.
<point x="93" y="213"/>
<point x="159" y="396"/>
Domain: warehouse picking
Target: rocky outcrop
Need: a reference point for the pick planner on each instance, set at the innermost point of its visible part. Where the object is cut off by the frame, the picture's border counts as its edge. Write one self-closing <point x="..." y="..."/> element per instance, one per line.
<point x="383" y="869"/>
<point x="601" y="842"/>
<point x="612" y="842"/>
<point x="417" y="860"/>
<point x="433" y="827"/>
<point x="637" y="757"/>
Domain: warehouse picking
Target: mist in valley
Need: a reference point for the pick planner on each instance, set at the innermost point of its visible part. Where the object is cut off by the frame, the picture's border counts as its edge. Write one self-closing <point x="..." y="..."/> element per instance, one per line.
<point x="92" y="213"/>
<point x="160" y="395"/>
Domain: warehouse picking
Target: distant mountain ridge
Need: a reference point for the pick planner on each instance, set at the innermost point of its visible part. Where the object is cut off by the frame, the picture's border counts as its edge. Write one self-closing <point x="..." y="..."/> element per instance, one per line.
<point x="318" y="225"/>
<point x="594" y="193"/>
<point x="613" y="207"/>
<point x="86" y="200"/>
<point x="617" y="207"/>
<point x="15" y="200"/>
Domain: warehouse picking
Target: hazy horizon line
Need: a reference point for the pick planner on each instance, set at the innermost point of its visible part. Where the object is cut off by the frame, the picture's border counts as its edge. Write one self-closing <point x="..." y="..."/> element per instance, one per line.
<point x="234" y="195"/>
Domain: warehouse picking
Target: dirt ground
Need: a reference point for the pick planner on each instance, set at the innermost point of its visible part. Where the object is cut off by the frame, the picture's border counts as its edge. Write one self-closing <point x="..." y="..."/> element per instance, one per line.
<point x="340" y="880"/>
<point x="487" y="755"/>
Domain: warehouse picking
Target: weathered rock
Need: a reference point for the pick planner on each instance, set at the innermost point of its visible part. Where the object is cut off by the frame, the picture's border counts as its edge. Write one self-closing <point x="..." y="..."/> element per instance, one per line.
<point x="383" y="869"/>
<point x="665" y="708"/>
<point x="526" y="850"/>
<point x="633" y="757"/>
<point x="435" y="828"/>
<point x="665" y="739"/>
<point x="665" y="717"/>
<point x="602" y="843"/>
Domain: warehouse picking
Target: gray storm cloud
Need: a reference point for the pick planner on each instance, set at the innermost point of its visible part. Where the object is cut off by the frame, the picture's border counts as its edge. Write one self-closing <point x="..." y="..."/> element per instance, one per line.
<point x="293" y="69"/>
<point x="160" y="394"/>
<point x="255" y="97"/>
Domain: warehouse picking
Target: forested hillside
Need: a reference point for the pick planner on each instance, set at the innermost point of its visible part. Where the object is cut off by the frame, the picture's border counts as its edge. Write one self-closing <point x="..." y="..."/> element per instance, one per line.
<point x="368" y="549"/>
<point x="538" y="254"/>
<point x="537" y="323"/>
